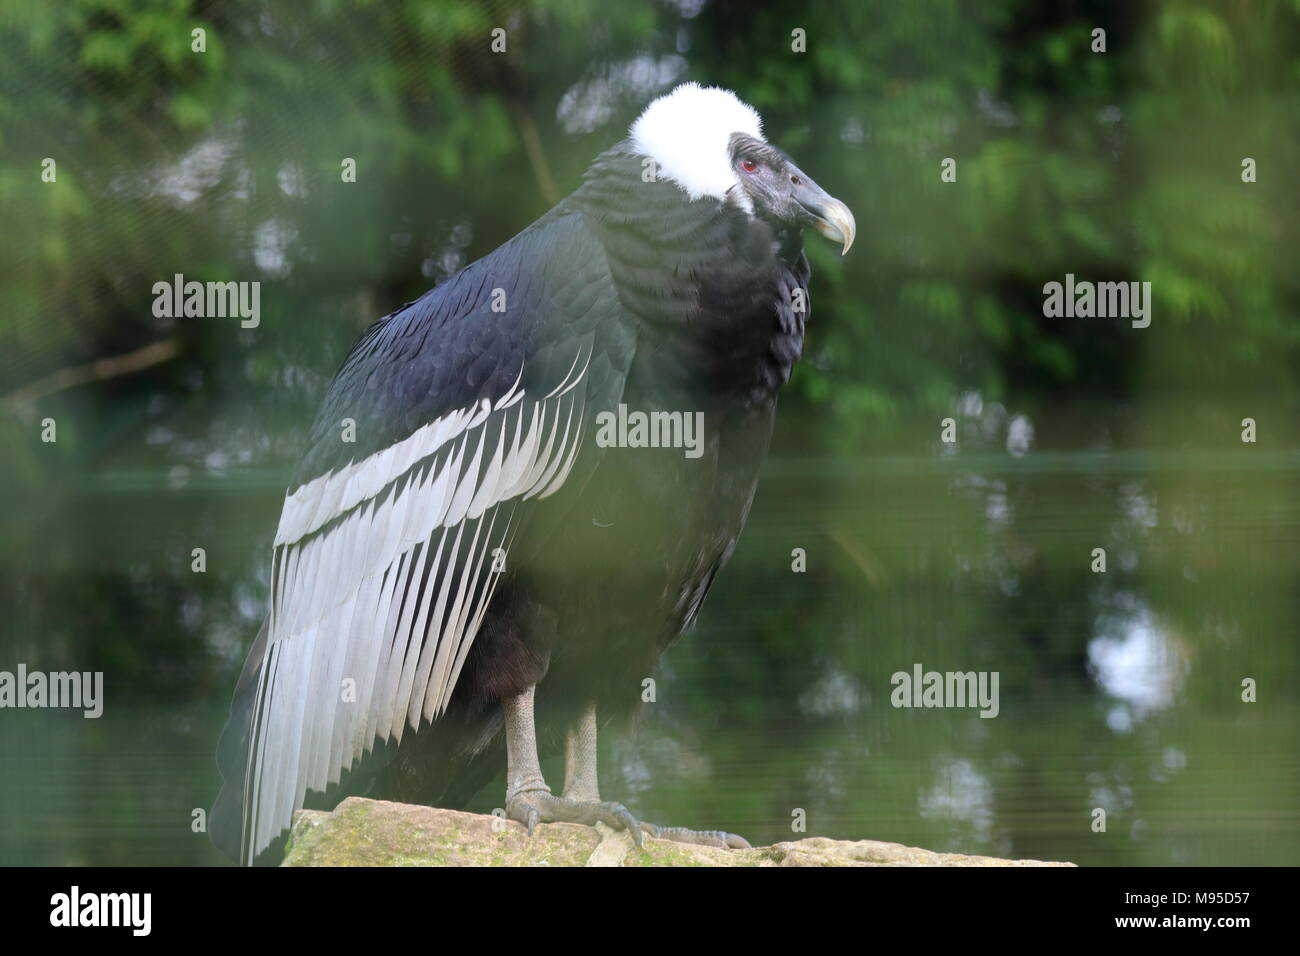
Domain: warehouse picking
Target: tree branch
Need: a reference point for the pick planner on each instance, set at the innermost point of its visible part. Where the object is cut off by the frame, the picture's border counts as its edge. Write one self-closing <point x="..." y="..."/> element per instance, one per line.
<point x="97" y="371"/>
<point x="527" y="130"/>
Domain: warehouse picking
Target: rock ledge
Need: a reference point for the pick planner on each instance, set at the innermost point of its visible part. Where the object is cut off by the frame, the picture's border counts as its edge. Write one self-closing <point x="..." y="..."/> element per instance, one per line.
<point x="363" y="832"/>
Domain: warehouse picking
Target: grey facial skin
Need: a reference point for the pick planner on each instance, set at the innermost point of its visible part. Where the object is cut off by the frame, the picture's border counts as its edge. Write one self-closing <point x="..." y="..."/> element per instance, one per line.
<point x="782" y="192"/>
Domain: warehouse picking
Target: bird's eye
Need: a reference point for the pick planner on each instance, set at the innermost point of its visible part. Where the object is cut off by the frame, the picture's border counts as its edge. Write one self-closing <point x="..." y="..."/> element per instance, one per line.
<point x="749" y="166"/>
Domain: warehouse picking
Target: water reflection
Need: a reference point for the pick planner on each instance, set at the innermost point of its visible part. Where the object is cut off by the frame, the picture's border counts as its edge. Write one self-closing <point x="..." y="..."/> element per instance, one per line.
<point x="1134" y="660"/>
<point x="1119" y="690"/>
<point x="961" y="794"/>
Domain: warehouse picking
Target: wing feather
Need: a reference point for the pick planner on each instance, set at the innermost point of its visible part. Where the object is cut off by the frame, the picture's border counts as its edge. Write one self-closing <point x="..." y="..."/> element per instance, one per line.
<point x="388" y="591"/>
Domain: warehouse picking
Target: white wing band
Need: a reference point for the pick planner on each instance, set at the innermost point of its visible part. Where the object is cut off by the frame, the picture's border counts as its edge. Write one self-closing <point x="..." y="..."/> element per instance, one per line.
<point x="381" y="577"/>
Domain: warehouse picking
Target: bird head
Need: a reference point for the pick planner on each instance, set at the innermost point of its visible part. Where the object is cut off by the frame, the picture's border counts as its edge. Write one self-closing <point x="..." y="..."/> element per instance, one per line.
<point x="710" y="143"/>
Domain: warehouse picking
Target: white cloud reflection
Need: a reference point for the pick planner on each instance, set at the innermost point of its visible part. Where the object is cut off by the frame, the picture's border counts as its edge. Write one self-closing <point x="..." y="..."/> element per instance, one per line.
<point x="960" y="793"/>
<point x="1134" y="660"/>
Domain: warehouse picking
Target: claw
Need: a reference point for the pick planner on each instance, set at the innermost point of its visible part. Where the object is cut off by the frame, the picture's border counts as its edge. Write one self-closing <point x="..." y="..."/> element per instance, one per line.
<point x="533" y="817"/>
<point x="630" y="824"/>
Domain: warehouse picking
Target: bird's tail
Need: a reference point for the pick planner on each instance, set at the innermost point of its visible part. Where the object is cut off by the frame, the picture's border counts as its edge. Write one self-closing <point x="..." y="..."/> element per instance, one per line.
<point x="226" y="821"/>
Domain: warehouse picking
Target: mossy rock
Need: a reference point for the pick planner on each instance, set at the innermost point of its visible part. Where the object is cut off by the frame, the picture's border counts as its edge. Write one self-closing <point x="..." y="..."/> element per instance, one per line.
<point x="361" y="832"/>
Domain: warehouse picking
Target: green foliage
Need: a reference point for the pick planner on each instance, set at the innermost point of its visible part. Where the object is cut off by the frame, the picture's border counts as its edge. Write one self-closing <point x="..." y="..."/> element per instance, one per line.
<point x="1067" y="160"/>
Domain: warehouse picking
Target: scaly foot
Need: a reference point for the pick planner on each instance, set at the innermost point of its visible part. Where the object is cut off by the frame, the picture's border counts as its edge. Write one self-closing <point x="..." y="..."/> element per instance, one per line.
<point x="531" y="807"/>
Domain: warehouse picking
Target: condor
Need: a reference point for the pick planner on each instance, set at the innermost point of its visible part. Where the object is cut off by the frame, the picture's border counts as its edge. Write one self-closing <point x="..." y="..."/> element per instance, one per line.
<point x="475" y="568"/>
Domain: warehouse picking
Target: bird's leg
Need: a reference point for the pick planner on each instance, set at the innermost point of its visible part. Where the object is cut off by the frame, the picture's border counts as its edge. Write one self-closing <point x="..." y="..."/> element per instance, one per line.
<point x="523" y="769"/>
<point x="530" y="801"/>
<point x="580" y="783"/>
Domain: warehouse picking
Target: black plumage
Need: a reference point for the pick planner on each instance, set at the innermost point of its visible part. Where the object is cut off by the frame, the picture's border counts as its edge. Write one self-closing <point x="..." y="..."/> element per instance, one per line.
<point x="628" y="292"/>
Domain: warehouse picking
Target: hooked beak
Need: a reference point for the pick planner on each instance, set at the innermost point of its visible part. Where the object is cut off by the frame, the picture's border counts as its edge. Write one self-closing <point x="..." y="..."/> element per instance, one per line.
<point x="826" y="214"/>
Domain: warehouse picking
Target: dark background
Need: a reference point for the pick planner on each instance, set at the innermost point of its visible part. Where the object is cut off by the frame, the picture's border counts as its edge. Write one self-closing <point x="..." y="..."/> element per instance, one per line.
<point x="1119" y="690"/>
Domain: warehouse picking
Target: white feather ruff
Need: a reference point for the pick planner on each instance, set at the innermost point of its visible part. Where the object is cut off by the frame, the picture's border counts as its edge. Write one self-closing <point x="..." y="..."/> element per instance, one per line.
<point x="687" y="133"/>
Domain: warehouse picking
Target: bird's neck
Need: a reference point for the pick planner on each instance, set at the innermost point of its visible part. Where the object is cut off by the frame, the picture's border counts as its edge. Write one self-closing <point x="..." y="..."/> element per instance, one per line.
<point x="704" y="281"/>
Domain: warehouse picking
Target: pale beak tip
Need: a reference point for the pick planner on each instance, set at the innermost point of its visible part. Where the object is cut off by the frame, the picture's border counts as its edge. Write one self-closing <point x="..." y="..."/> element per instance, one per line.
<point x="840" y="225"/>
<point x="849" y="230"/>
<point x="834" y="221"/>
